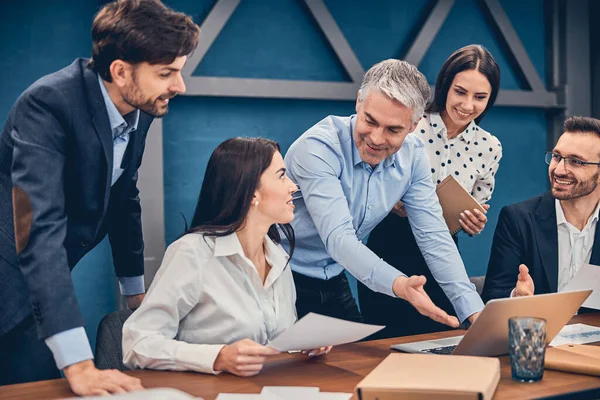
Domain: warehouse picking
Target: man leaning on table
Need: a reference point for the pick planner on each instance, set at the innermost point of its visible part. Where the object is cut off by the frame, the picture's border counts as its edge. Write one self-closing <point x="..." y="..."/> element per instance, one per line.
<point x="351" y="171"/>
<point x="69" y="155"/>
<point x="540" y="244"/>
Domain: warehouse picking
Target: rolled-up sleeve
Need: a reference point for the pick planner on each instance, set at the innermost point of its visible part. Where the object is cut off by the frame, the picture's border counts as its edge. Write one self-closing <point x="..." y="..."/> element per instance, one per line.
<point x="434" y="240"/>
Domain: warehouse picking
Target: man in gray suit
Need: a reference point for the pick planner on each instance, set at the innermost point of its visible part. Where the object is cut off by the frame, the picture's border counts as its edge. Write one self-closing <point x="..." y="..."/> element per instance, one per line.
<point x="69" y="155"/>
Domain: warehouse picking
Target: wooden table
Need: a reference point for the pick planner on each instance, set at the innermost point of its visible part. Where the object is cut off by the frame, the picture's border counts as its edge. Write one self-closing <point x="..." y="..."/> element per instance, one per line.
<point x="339" y="371"/>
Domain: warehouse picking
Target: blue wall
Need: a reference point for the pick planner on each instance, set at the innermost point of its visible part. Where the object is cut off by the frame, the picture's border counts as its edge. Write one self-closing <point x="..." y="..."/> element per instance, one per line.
<point x="250" y="45"/>
<point x="279" y="39"/>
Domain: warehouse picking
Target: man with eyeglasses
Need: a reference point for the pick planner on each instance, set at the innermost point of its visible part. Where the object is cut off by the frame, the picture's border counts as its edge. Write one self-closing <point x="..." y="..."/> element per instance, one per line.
<point x="540" y="243"/>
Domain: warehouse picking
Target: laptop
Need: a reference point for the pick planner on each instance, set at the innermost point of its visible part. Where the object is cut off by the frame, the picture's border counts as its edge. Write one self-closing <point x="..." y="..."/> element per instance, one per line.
<point x="488" y="336"/>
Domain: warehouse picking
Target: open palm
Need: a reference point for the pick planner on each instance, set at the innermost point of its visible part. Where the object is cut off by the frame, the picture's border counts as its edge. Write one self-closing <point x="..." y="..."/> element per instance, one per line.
<point x="415" y="294"/>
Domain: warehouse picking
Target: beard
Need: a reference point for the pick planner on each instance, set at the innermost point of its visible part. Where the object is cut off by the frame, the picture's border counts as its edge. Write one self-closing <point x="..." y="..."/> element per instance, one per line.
<point x="134" y="97"/>
<point x="577" y="189"/>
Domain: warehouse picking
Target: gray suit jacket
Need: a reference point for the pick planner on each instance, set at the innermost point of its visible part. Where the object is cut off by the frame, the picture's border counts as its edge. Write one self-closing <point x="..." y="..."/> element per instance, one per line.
<point x="56" y="199"/>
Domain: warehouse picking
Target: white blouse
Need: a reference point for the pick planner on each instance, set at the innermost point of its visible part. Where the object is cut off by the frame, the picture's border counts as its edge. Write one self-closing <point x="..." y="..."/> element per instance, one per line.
<point x="205" y="295"/>
<point x="472" y="157"/>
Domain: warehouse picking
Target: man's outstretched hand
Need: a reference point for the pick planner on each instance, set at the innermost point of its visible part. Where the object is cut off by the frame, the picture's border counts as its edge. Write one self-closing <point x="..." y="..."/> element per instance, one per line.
<point x="411" y="289"/>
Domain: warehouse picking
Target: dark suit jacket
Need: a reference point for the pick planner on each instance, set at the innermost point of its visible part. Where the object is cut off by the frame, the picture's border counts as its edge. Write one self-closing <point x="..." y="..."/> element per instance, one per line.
<point x="526" y="233"/>
<point x="56" y="158"/>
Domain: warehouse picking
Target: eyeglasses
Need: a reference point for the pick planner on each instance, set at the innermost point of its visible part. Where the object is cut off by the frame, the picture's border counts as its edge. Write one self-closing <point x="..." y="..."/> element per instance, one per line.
<point x="569" y="161"/>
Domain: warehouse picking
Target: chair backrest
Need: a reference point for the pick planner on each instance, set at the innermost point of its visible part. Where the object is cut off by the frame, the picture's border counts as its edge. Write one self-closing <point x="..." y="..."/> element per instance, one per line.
<point x="109" y="348"/>
<point x="478" y="282"/>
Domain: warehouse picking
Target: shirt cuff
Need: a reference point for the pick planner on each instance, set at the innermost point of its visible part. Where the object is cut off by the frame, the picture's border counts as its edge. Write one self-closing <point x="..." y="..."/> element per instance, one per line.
<point x="385" y="276"/>
<point x="197" y="357"/>
<point x="132" y="285"/>
<point x="467" y="305"/>
<point x="70" y="347"/>
<point x="512" y="293"/>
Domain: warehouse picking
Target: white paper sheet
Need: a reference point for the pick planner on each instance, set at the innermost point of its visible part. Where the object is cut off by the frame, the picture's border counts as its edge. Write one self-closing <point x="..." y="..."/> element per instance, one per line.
<point x="334" y="396"/>
<point x="577" y="334"/>
<point x="239" y="396"/>
<point x="315" y="330"/>
<point x="150" y="394"/>
<point x="588" y="277"/>
<point x="287" y="393"/>
<point x="291" y="392"/>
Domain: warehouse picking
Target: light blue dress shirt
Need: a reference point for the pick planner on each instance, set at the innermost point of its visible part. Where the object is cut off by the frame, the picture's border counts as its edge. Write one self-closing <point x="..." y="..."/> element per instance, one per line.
<point x="341" y="199"/>
<point x="72" y="346"/>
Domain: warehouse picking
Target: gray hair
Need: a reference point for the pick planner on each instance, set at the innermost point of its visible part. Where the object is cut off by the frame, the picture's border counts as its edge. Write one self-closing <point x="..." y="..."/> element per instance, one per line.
<point x="399" y="81"/>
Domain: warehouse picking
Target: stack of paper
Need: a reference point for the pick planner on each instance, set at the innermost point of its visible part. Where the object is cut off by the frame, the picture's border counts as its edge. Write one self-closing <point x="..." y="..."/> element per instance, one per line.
<point x="286" y="393"/>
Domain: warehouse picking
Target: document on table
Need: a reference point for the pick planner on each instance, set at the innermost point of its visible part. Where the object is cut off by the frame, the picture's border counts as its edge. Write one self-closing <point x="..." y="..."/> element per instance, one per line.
<point x="577" y="334"/>
<point x="150" y="394"/>
<point x="315" y="330"/>
<point x="286" y="393"/>
<point x="588" y="277"/>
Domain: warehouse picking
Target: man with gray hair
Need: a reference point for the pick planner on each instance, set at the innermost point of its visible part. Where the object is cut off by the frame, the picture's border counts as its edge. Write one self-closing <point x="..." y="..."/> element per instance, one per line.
<point x="351" y="171"/>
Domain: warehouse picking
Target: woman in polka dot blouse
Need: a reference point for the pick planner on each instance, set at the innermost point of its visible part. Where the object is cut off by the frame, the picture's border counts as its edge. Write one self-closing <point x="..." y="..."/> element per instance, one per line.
<point x="466" y="89"/>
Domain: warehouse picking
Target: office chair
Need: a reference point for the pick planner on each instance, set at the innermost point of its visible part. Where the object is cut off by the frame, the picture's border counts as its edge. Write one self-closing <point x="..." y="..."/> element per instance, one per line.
<point x="109" y="349"/>
<point x="478" y="282"/>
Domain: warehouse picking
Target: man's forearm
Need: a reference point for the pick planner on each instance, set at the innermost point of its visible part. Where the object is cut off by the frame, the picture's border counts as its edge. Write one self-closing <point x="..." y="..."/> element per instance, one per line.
<point x="447" y="268"/>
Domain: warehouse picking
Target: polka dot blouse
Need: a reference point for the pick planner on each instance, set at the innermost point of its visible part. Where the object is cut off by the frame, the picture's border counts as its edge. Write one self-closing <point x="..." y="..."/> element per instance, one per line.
<point x="472" y="157"/>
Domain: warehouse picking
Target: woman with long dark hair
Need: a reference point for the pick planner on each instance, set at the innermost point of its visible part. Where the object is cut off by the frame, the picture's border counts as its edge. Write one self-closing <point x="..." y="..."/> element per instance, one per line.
<point x="456" y="145"/>
<point x="224" y="288"/>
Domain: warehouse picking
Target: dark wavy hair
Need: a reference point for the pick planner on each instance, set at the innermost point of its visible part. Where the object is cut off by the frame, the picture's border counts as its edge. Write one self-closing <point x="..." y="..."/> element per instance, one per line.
<point x="138" y="31"/>
<point x="232" y="176"/>
<point x="467" y="58"/>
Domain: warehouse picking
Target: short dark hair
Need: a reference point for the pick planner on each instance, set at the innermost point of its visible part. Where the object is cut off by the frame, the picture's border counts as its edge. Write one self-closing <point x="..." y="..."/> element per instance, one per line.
<point x="231" y="178"/>
<point x="582" y="125"/>
<point x="469" y="57"/>
<point x="138" y="31"/>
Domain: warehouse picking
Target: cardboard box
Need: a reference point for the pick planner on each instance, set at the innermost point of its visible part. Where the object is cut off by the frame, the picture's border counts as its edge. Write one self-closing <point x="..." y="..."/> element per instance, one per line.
<point x="426" y="376"/>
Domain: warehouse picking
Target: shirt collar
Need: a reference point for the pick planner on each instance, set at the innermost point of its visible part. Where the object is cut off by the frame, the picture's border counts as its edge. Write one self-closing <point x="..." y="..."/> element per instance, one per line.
<point x="115" y="118"/>
<point x="227" y="246"/>
<point x="356" y="159"/>
<point x="230" y="245"/>
<point x="437" y="124"/>
<point x="560" y="214"/>
<point x="276" y="257"/>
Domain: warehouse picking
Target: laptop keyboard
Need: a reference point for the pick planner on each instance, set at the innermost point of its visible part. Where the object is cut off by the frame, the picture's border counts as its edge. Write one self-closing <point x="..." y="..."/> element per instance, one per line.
<point x="441" y="350"/>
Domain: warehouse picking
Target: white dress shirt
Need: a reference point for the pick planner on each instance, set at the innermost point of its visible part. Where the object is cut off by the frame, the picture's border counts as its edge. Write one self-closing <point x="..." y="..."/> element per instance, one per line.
<point x="574" y="246"/>
<point x="207" y="294"/>
<point x="472" y="157"/>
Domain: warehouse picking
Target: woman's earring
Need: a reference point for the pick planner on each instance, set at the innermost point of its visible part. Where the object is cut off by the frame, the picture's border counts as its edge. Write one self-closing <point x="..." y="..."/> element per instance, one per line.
<point x="256" y="203"/>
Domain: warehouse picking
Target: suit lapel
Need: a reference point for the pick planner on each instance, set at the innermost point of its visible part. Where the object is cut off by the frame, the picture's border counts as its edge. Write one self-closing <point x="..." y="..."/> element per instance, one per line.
<point x="546" y="238"/>
<point x="101" y="123"/>
<point x="595" y="258"/>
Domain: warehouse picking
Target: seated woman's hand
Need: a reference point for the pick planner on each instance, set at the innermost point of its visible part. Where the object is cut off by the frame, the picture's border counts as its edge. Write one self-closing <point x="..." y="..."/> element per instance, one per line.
<point x="474" y="221"/>
<point x="317" y="352"/>
<point x="243" y="358"/>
